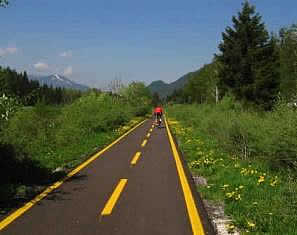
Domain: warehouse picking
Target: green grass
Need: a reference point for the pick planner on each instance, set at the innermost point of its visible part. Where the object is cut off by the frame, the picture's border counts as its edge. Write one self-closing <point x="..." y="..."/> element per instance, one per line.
<point x="259" y="196"/>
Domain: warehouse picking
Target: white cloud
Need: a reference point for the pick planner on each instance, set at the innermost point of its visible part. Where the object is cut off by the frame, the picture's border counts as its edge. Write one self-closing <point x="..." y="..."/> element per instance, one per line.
<point x="68" y="71"/>
<point x="66" y="54"/>
<point x="8" y="51"/>
<point x="40" y="66"/>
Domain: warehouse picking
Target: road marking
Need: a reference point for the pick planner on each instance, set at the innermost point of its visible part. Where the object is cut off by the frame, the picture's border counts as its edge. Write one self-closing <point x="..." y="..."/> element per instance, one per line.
<point x="148" y="135"/>
<point x="151" y="129"/>
<point x="135" y="158"/>
<point x="9" y="219"/>
<point x="143" y="143"/>
<point x="114" y="197"/>
<point x="195" y="218"/>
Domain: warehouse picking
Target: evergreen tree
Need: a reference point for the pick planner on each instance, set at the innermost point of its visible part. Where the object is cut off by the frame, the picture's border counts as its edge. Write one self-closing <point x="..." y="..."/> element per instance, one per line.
<point x="3" y="3"/>
<point x="288" y="62"/>
<point x="248" y="58"/>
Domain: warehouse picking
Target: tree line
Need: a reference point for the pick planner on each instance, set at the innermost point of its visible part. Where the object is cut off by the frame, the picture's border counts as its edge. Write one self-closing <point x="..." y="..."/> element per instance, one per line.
<point x="253" y="66"/>
<point x="29" y="92"/>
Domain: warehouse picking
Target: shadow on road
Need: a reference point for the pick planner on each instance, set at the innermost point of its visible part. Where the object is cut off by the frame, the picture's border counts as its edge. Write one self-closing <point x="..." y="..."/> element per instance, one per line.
<point x="21" y="178"/>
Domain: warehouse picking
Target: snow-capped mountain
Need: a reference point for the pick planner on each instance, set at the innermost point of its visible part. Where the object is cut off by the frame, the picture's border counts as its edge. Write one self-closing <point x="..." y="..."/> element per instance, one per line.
<point x="56" y="80"/>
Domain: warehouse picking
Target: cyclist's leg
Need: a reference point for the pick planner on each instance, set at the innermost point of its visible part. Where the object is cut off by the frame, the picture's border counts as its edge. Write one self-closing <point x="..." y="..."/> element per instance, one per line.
<point x="159" y="118"/>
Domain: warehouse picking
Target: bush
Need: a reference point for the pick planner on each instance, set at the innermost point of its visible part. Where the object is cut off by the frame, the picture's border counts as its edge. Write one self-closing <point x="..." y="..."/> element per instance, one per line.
<point x="247" y="134"/>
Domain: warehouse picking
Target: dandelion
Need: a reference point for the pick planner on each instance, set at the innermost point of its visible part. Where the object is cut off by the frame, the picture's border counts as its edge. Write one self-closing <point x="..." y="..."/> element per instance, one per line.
<point x="274" y="181"/>
<point x="261" y="179"/>
<point x="251" y="224"/>
<point x="238" y="197"/>
<point x="230" y="227"/>
<point x="225" y="186"/>
<point x="241" y="187"/>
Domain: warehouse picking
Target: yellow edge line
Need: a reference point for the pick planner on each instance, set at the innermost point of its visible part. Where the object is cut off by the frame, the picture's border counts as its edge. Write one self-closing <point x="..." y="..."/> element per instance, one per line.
<point x="135" y="158"/>
<point x="114" y="197"/>
<point x="143" y="143"/>
<point x="195" y="219"/>
<point x="49" y="189"/>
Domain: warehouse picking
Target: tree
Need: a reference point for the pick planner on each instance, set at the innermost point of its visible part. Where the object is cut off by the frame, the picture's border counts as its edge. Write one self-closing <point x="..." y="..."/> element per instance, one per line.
<point x="248" y="59"/>
<point x="201" y="87"/>
<point x="3" y="3"/>
<point x="288" y="62"/>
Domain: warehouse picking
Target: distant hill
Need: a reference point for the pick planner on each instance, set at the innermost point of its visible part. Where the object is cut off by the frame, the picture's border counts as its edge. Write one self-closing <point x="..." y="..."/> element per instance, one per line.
<point x="164" y="89"/>
<point x="56" y="80"/>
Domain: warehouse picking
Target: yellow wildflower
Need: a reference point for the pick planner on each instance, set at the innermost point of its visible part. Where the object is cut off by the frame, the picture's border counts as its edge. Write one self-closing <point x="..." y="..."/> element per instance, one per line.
<point x="230" y="227"/>
<point x="250" y="224"/>
<point x="261" y="179"/>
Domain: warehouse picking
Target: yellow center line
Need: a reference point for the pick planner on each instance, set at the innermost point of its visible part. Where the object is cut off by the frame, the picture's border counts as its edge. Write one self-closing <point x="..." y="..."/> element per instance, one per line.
<point x="135" y="158"/>
<point x="143" y="143"/>
<point x="114" y="197"/>
<point x="9" y="219"/>
<point x="151" y="129"/>
<point x="195" y="218"/>
<point x="148" y="135"/>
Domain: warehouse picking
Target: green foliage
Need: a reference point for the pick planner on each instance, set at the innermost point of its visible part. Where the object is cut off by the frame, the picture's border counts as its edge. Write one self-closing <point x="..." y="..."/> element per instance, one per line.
<point x="38" y="139"/>
<point x="288" y="64"/>
<point x="30" y="92"/>
<point x="249" y="60"/>
<point x="201" y="87"/>
<point x="3" y="3"/>
<point x="248" y="159"/>
<point x="138" y="96"/>
<point x="248" y="134"/>
<point x="8" y="106"/>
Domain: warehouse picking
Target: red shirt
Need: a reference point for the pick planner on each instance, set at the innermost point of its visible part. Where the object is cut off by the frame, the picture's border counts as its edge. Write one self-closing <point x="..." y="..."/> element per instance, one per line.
<point x="158" y="110"/>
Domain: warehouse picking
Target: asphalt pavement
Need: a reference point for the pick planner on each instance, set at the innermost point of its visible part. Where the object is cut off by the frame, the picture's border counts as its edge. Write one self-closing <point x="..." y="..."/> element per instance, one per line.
<point x="134" y="187"/>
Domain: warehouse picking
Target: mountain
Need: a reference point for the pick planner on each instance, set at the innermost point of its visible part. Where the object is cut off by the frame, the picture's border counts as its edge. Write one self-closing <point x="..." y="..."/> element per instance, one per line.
<point x="165" y="89"/>
<point x="56" y="80"/>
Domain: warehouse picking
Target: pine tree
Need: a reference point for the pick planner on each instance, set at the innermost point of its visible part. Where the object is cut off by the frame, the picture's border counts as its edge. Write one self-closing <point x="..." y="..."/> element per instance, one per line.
<point x="288" y="62"/>
<point x="248" y="58"/>
<point x="3" y="3"/>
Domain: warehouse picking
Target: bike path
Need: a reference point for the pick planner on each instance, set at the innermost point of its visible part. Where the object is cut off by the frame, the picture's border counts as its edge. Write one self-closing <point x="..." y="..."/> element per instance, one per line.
<point x="113" y="196"/>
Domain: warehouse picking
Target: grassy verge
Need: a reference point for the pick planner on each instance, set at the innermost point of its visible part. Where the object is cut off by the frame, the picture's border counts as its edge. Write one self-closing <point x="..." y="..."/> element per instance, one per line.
<point x="257" y="194"/>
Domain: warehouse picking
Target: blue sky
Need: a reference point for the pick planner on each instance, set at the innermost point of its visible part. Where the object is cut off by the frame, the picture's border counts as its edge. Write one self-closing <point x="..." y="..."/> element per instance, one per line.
<point x="96" y="41"/>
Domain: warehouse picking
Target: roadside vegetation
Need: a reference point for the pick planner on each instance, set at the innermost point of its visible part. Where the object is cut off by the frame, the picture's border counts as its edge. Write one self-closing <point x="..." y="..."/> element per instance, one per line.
<point x="41" y="143"/>
<point x="249" y="161"/>
<point x="235" y="122"/>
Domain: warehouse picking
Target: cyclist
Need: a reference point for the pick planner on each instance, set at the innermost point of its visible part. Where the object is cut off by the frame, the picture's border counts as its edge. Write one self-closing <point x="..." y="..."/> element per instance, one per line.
<point x="158" y="112"/>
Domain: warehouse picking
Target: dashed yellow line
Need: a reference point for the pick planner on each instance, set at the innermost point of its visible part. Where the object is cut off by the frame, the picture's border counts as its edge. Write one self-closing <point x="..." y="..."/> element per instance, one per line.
<point x="194" y="216"/>
<point x="114" y="197"/>
<point x="57" y="184"/>
<point x="143" y="143"/>
<point x="148" y="135"/>
<point x="135" y="158"/>
<point x="151" y="129"/>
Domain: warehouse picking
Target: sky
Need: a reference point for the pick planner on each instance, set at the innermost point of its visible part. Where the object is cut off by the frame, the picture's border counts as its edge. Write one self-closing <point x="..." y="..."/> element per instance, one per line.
<point x="96" y="41"/>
